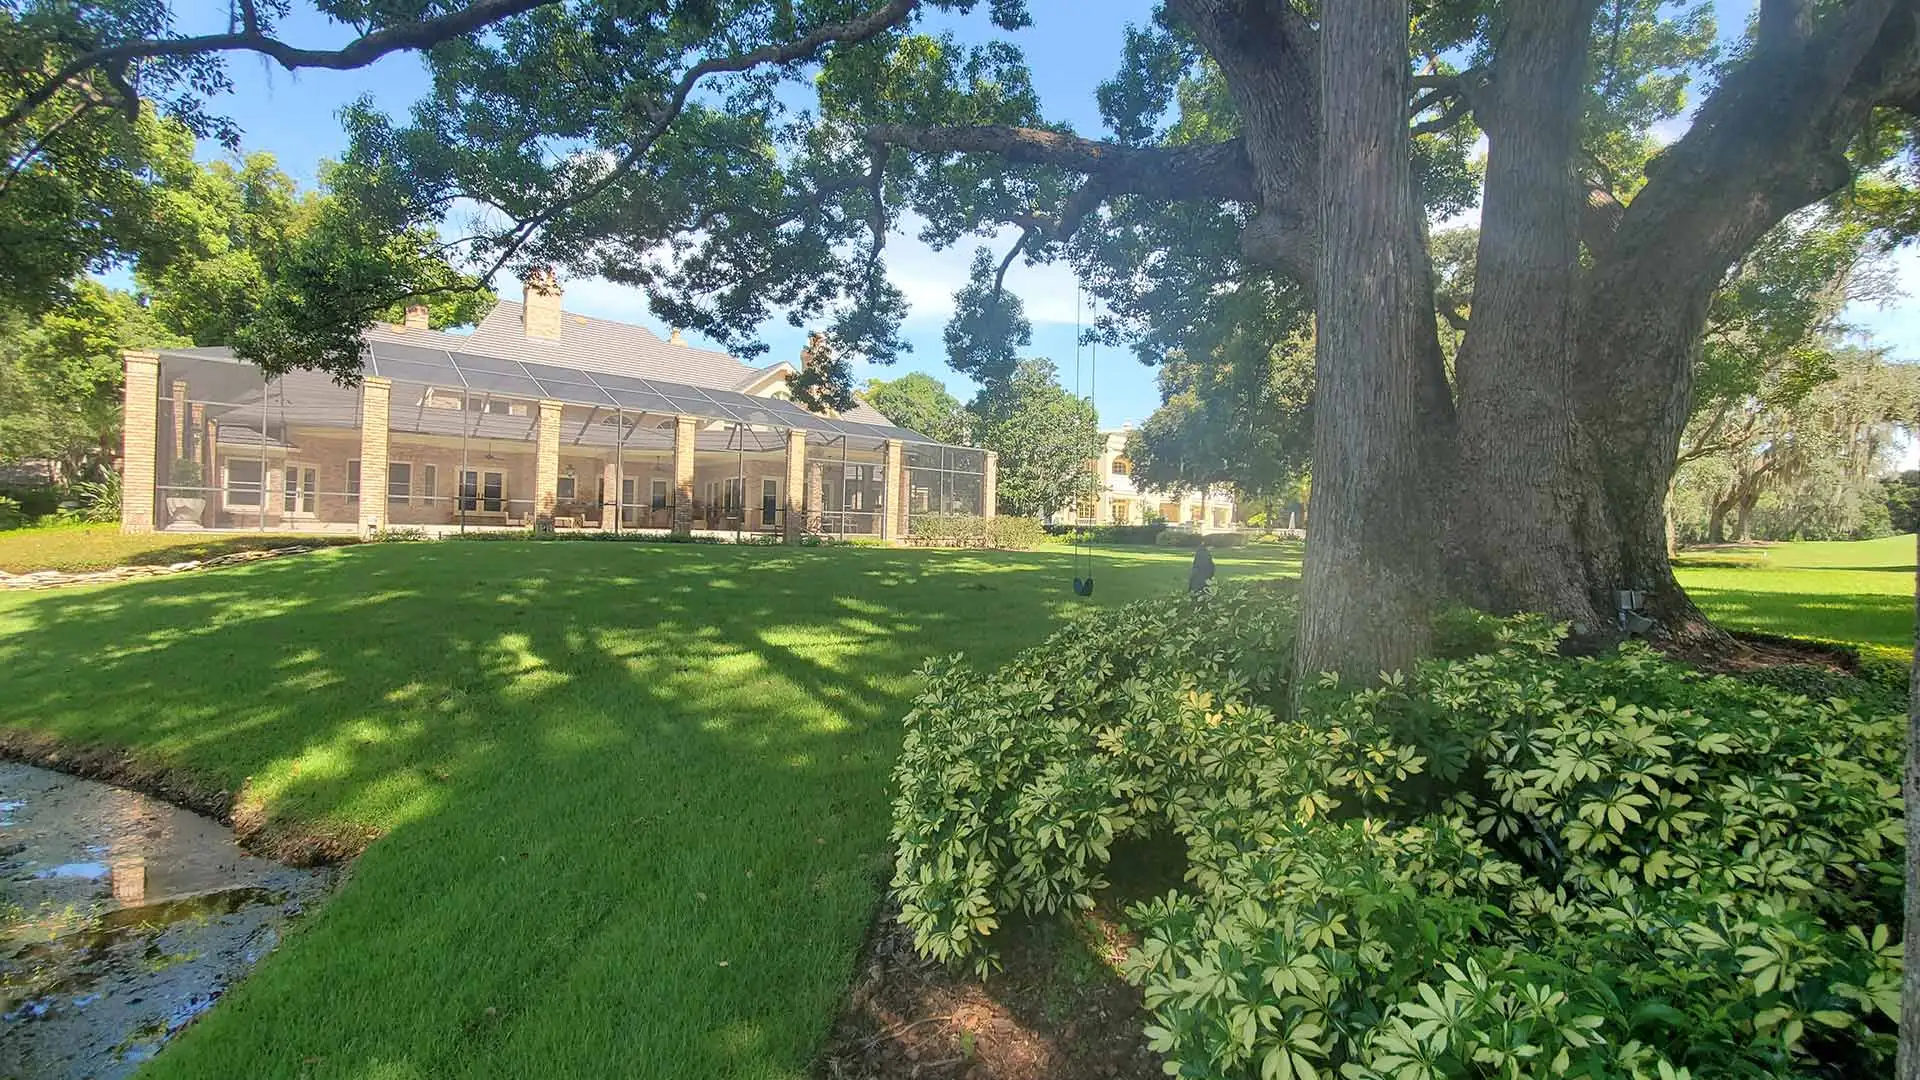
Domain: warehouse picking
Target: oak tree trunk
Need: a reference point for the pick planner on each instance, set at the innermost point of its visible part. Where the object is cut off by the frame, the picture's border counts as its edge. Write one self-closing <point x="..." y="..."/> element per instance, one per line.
<point x="1520" y="516"/>
<point x="1371" y="547"/>
<point x="1909" y="1064"/>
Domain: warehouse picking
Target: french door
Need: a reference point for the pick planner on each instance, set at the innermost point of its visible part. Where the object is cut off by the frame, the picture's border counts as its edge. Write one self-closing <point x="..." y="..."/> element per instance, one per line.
<point x="484" y="490"/>
<point x="300" y="487"/>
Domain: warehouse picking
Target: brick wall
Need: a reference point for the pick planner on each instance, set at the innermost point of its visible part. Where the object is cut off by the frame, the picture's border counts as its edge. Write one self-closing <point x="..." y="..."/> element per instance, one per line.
<point x="140" y="423"/>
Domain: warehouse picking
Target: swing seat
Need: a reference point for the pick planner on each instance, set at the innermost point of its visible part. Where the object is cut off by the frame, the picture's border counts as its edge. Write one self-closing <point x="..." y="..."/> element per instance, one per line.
<point x="1083" y="586"/>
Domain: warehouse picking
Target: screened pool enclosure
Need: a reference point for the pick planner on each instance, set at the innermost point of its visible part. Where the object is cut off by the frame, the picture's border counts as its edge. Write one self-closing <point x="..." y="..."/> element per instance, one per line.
<point x="450" y="441"/>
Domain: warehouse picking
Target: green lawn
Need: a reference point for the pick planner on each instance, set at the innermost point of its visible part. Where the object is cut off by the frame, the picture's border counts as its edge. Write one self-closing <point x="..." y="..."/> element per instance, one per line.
<point x="632" y="797"/>
<point x="99" y="547"/>
<point x="1856" y="592"/>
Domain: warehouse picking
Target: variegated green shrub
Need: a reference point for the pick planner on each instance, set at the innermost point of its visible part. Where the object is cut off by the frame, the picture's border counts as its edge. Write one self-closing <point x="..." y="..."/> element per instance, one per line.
<point x="1509" y="865"/>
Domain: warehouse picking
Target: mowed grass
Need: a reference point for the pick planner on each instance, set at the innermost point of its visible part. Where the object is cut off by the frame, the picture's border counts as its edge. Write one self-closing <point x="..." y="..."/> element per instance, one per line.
<point x="76" y="548"/>
<point x="1851" y="592"/>
<point x="631" y="797"/>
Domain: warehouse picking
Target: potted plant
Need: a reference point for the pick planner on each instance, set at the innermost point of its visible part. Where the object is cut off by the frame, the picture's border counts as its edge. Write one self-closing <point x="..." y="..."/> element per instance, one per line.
<point x="187" y="508"/>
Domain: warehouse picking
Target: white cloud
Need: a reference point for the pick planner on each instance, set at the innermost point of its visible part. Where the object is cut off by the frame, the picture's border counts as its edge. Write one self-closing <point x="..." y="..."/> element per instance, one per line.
<point x="929" y="278"/>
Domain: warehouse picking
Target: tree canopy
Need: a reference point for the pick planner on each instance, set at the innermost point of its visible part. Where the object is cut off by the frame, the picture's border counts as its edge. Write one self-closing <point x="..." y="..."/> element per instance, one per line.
<point x="215" y="255"/>
<point x="1046" y="439"/>
<point x="920" y="402"/>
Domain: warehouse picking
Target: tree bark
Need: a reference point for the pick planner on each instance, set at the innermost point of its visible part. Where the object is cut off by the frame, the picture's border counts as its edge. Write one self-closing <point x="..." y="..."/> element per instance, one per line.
<point x="1370" y="541"/>
<point x="1717" y="521"/>
<point x="1521" y="506"/>
<point x="1909" y="1063"/>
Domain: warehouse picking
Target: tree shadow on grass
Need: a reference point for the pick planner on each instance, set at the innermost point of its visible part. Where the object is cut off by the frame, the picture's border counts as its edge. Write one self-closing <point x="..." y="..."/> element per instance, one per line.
<point x="1878" y="618"/>
<point x="632" y="798"/>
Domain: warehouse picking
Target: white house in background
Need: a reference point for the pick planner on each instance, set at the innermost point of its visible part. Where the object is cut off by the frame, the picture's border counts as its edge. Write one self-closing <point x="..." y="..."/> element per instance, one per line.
<point x="1120" y="502"/>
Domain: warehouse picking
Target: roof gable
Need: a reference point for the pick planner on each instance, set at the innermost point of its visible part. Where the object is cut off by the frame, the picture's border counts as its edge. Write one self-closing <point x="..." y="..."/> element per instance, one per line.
<point x="604" y="345"/>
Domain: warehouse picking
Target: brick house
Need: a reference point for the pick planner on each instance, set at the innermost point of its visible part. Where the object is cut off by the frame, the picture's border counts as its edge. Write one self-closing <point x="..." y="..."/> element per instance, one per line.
<point x="1119" y="501"/>
<point x="539" y="417"/>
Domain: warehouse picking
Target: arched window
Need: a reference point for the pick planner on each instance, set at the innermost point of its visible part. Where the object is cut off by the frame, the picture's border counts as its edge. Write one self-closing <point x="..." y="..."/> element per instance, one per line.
<point x="1122" y="466"/>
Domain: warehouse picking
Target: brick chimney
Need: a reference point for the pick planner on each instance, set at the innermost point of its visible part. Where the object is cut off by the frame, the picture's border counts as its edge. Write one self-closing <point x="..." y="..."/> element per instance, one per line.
<point x="540" y="309"/>
<point x="416" y="317"/>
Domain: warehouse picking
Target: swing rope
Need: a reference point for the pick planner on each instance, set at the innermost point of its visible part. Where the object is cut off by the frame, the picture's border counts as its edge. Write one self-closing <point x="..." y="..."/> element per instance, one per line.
<point x="1083" y="537"/>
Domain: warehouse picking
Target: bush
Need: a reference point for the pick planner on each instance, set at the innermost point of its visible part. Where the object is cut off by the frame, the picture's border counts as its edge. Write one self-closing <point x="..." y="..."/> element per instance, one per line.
<point x="1108" y="534"/>
<point x="99" y="499"/>
<point x="1513" y="863"/>
<point x="11" y="516"/>
<point x="33" y="501"/>
<point x="184" y="473"/>
<point x="1008" y="532"/>
<point x="1184" y="538"/>
<point x="972" y="530"/>
<point x="399" y="534"/>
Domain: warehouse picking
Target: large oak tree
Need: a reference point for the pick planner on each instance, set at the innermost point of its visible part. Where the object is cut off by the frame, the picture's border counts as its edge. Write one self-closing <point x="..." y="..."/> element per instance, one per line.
<point x="739" y="160"/>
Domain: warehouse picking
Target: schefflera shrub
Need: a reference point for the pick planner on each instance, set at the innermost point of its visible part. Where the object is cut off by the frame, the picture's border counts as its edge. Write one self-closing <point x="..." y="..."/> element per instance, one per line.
<point x="1512" y="864"/>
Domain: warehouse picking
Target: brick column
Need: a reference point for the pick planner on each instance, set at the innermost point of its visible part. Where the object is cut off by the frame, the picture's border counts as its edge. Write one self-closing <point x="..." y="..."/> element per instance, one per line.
<point x="893" y="518"/>
<point x="990" y="486"/>
<point x="793" y="524"/>
<point x="180" y="429"/>
<point x="546" y="467"/>
<point x="609" y="495"/>
<point x="685" y="430"/>
<point x="198" y="444"/>
<point x="376" y="393"/>
<point x="139" y="424"/>
<point x="816" y="495"/>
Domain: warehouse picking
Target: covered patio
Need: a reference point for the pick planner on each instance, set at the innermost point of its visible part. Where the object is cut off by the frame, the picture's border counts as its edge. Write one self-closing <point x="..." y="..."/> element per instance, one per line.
<point x="447" y="441"/>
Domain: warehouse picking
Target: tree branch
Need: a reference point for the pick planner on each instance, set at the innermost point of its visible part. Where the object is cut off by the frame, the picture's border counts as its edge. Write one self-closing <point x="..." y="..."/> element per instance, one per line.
<point x="1214" y="171"/>
<point x="360" y="52"/>
<point x="1000" y="275"/>
<point x="849" y="32"/>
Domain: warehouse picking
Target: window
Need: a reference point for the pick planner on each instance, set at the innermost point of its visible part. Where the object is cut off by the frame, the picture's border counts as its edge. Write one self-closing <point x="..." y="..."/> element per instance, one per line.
<point x="399" y="482"/>
<point x="241" y="484"/>
<point x="736" y="492"/>
<point x="496" y="406"/>
<point x="659" y="498"/>
<point x="1121" y="466"/>
<point x="353" y="480"/>
<point x="566" y="487"/>
<point x="429" y="482"/>
<point x="769" y="501"/>
<point x="298" y="489"/>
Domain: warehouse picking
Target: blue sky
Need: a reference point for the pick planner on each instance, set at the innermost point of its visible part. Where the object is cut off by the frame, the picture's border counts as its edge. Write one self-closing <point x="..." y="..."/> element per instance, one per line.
<point x="294" y="116"/>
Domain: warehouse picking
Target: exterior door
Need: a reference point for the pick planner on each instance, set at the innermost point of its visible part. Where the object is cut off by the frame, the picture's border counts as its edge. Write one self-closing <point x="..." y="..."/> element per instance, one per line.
<point x="483" y="490"/>
<point x="301" y="486"/>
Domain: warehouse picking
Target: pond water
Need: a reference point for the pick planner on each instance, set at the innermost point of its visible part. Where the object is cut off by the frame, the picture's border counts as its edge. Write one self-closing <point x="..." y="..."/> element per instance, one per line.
<point x="122" y="918"/>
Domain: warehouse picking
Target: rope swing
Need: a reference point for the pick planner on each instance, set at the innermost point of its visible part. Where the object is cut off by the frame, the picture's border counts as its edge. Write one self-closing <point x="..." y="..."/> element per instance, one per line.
<point x="1083" y="539"/>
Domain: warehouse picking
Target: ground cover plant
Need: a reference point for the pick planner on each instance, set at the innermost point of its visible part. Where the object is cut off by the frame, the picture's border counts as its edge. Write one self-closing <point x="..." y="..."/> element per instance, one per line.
<point x="629" y="799"/>
<point x="1504" y="864"/>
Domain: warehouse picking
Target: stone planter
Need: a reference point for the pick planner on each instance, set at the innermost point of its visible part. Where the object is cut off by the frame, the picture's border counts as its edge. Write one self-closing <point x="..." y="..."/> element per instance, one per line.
<point x="185" y="513"/>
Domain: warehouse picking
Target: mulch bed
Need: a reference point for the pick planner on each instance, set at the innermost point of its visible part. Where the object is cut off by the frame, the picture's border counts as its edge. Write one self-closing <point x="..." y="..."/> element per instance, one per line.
<point x="1739" y="653"/>
<point x="1043" y="1016"/>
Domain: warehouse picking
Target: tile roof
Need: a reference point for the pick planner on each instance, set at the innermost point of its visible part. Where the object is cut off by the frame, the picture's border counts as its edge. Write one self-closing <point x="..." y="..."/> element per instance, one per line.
<point x="604" y="345"/>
